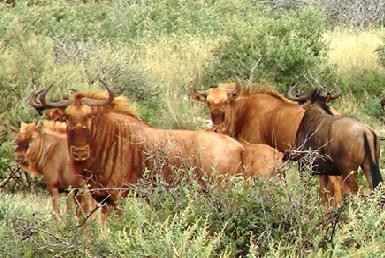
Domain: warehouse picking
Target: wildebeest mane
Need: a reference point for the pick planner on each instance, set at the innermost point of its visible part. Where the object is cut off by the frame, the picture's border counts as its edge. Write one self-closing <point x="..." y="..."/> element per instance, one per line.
<point x="58" y="127"/>
<point x="120" y="104"/>
<point x="255" y="89"/>
<point x="115" y="155"/>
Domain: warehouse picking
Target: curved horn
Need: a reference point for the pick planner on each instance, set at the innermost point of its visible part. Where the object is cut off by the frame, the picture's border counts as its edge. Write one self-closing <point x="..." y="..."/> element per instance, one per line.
<point x="291" y="96"/>
<point x="336" y="94"/>
<point x="34" y="100"/>
<point x="100" y="102"/>
<point x="37" y="101"/>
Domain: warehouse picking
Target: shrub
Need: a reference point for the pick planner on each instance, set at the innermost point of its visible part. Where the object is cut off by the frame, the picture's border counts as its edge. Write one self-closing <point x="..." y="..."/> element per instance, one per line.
<point x="278" y="48"/>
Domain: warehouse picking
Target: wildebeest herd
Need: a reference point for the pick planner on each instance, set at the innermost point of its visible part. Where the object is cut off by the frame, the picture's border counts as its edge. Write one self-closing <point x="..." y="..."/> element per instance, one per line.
<point x="96" y="142"/>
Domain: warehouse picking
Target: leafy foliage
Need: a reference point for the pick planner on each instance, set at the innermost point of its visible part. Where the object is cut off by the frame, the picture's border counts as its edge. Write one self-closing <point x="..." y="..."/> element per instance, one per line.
<point x="281" y="48"/>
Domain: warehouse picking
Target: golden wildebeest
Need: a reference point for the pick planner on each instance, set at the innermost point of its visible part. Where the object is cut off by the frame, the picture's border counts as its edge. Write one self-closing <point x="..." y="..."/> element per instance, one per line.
<point x="258" y="115"/>
<point x="112" y="146"/>
<point x="343" y="143"/>
<point x="43" y="152"/>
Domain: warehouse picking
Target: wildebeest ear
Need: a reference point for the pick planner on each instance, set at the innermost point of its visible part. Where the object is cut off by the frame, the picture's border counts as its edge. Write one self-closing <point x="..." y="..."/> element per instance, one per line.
<point x="198" y="95"/>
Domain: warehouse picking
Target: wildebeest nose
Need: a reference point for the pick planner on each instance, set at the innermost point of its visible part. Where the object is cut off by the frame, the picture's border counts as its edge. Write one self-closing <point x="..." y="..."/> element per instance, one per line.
<point x="80" y="153"/>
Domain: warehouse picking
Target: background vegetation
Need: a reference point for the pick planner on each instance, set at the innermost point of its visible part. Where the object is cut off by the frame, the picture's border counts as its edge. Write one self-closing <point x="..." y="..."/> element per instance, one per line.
<point x="150" y="51"/>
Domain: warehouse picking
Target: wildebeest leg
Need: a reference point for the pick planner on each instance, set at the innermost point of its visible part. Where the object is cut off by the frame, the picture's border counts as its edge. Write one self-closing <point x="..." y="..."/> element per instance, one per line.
<point x="106" y="210"/>
<point x="69" y="202"/>
<point x="323" y="182"/>
<point x="54" y="191"/>
<point x="350" y="185"/>
<point x="336" y="185"/>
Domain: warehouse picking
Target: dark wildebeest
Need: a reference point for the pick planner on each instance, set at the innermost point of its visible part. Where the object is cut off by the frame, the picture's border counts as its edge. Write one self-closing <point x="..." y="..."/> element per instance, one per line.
<point x="257" y="115"/>
<point x="111" y="146"/>
<point x="42" y="151"/>
<point x="343" y="143"/>
<point x="333" y="183"/>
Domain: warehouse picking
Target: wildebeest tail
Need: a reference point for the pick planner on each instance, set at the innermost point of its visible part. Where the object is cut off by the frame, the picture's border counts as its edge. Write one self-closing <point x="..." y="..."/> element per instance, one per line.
<point x="373" y="161"/>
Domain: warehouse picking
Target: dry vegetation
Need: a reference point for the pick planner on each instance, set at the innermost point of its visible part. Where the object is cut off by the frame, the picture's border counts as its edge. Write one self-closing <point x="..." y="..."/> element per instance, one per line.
<point x="151" y="51"/>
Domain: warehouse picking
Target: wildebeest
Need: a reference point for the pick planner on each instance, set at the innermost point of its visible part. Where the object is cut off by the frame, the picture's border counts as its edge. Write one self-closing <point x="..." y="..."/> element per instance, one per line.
<point x="255" y="115"/>
<point x="111" y="146"/>
<point x="332" y="183"/>
<point x="343" y="143"/>
<point x="383" y="103"/>
<point x="258" y="115"/>
<point x="41" y="150"/>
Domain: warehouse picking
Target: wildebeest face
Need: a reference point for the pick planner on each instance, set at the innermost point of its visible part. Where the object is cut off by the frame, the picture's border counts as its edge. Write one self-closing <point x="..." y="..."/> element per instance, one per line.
<point x="26" y="134"/>
<point x="78" y="118"/>
<point x="55" y="114"/>
<point x="218" y="99"/>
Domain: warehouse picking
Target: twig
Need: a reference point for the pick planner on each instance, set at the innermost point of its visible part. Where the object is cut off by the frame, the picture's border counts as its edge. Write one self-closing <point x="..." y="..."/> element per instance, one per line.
<point x="88" y="216"/>
<point x="10" y="175"/>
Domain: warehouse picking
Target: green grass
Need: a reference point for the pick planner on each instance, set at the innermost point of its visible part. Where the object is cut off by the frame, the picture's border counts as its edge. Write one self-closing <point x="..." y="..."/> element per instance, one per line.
<point x="150" y="51"/>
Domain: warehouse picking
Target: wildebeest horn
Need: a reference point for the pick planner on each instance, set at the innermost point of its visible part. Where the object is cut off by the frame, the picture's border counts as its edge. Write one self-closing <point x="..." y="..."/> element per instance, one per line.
<point x="197" y="92"/>
<point x="383" y="103"/>
<point x="193" y="89"/>
<point x="336" y="94"/>
<point x="291" y="96"/>
<point x="37" y="100"/>
<point x="100" y="102"/>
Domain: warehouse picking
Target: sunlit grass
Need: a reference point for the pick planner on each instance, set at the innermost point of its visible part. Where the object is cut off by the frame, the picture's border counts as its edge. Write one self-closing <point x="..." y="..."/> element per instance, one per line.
<point x="354" y="50"/>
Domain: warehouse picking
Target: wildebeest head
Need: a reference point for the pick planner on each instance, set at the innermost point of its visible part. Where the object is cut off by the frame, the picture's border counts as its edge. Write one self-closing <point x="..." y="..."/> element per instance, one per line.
<point x="55" y="114"/>
<point x="217" y="99"/>
<point x="302" y="99"/>
<point x="78" y="113"/>
<point x="25" y="135"/>
<point x="319" y="99"/>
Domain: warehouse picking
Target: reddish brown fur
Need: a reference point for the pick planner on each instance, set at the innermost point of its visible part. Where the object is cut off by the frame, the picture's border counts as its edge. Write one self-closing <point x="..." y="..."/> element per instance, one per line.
<point x="44" y="153"/>
<point x="120" y="145"/>
<point x="260" y="115"/>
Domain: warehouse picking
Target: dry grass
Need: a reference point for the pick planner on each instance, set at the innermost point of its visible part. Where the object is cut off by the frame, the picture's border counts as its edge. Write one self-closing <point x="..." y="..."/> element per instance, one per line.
<point x="353" y="50"/>
<point x="173" y="62"/>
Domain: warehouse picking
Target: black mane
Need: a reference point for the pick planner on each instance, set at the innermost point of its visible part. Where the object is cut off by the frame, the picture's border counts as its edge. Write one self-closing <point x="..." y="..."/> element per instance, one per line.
<point x="317" y="97"/>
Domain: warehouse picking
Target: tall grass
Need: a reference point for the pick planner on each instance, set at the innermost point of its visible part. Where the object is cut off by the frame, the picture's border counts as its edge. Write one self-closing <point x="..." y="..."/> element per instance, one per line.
<point x="353" y="51"/>
<point x="150" y="51"/>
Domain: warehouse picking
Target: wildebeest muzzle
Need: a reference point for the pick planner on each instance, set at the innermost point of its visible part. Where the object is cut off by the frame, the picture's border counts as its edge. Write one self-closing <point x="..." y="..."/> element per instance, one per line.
<point x="217" y="116"/>
<point x="78" y="142"/>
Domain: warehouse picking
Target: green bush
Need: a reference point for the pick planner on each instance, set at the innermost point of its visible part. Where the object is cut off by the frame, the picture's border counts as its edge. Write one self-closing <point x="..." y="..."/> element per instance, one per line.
<point x="364" y="82"/>
<point x="279" y="48"/>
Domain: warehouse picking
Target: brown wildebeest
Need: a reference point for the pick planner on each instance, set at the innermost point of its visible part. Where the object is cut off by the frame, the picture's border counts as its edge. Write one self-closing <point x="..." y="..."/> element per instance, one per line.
<point x="257" y="115"/>
<point x="43" y="152"/>
<point x="333" y="183"/>
<point x="112" y="146"/>
<point x="343" y="143"/>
